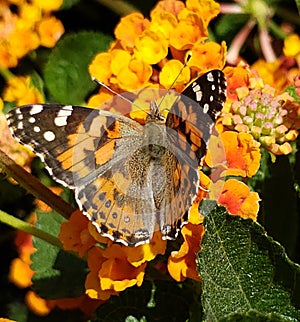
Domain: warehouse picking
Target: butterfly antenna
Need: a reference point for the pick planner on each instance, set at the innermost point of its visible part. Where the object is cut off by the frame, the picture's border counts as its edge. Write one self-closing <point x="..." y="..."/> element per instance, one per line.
<point x="111" y="90"/>
<point x="117" y="94"/>
<point x="189" y="56"/>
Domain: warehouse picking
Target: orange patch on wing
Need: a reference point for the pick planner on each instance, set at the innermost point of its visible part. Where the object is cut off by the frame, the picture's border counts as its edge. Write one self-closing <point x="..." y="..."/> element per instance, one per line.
<point x="72" y="139"/>
<point x="105" y="153"/>
<point x="78" y="144"/>
<point x="66" y="158"/>
<point x="177" y="175"/>
<point x="195" y="138"/>
<point x="115" y="132"/>
<point x="72" y="158"/>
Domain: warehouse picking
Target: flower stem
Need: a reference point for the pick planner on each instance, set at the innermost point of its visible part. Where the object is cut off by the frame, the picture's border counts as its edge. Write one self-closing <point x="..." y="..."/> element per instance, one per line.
<point x="28" y="228"/>
<point x="118" y="6"/>
<point x="34" y="186"/>
<point x="266" y="46"/>
<point x="238" y="41"/>
<point x="6" y="73"/>
<point x="277" y="30"/>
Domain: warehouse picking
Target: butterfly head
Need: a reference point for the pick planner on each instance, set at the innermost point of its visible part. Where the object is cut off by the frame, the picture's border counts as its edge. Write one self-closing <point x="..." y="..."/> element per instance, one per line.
<point x="155" y="114"/>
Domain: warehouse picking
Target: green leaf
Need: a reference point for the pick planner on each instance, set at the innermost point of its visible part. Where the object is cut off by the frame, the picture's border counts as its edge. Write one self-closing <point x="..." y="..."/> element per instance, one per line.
<point x="58" y="274"/>
<point x="68" y="4"/>
<point x="279" y="202"/>
<point x="66" y="73"/>
<point x="254" y="316"/>
<point x="133" y="319"/>
<point x="225" y="29"/>
<point x="37" y="81"/>
<point x="298" y="5"/>
<point x="244" y="270"/>
<point x="18" y="311"/>
<point x="291" y="90"/>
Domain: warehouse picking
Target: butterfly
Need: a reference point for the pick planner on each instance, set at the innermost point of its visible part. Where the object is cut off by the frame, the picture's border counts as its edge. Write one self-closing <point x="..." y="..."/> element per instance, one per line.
<point x="130" y="179"/>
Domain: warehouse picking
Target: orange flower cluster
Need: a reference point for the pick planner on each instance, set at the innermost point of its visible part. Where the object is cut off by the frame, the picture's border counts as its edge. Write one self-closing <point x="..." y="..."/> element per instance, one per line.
<point x="20" y="91"/>
<point x="148" y="53"/>
<point x="25" y="29"/>
<point x="113" y="267"/>
<point x="21" y="31"/>
<point x="282" y="71"/>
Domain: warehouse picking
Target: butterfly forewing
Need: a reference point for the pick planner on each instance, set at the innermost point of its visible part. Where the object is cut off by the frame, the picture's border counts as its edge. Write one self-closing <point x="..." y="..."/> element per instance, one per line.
<point x="195" y="113"/>
<point x="73" y="141"/>
<point x="129" y="179"/>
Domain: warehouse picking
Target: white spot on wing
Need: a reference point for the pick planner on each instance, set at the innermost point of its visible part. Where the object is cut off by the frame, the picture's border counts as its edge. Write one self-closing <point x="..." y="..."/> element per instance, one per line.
<point x="210" y="77"/>
<point x="31" y="119"/>
<point x="205" y="108"/>
<point x="198" y="96"/>
<point x="36" y="109"/>
<point x="197" y="90"/>
<point x="68" y="107"/>
<point x="36" y="129"/>
<point x="20" y="126"/>
<point x="196" y="87"/>
<point x="49" y="136"/>
<point x="62" y="115"/>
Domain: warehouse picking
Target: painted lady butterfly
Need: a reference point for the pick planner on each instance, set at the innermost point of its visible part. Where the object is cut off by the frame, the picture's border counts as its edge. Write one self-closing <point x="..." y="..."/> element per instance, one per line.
<point x="129" y="179"/>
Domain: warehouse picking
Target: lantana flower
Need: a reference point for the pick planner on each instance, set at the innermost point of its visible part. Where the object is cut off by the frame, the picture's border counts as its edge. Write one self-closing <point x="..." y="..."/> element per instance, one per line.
<point x="234" y="154"/>
<point x="236" y="197"/>
<point x="113" y="267"/>
<point x="26" y="28"/>
<point x="182" y="263"/>
<point x="284" y="70"/>
<point x="19" y="90"/>
<point x="260" y="112"/>
<point x="140" y="57"/>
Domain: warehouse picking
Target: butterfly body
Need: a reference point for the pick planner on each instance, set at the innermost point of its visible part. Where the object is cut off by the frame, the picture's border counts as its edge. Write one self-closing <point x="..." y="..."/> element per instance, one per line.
<point x="129" y="179"/>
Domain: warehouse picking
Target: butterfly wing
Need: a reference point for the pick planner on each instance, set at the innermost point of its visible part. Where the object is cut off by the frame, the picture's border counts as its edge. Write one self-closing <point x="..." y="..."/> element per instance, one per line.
<point x="189" y="126"/>
<point x="103" y="156"/>
<point x="73" y="141"/>
<point x="195" y="113"/>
